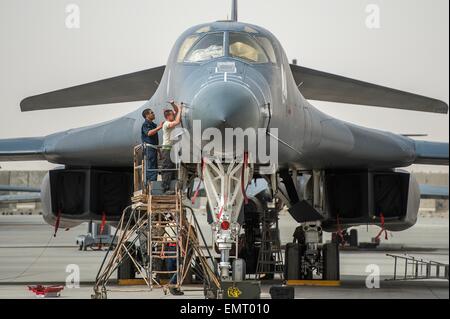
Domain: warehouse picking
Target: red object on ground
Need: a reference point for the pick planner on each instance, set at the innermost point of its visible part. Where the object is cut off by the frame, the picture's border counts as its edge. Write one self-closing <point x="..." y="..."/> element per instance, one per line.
<point x="43" y="291"/>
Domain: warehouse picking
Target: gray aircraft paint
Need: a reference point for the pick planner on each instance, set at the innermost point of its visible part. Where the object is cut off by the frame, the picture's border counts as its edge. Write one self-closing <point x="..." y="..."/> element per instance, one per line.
<point x="308" y="138"/>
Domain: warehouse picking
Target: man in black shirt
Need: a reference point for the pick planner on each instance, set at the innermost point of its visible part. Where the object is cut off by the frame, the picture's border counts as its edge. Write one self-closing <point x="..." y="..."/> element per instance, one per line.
<point x="149" y="134"/>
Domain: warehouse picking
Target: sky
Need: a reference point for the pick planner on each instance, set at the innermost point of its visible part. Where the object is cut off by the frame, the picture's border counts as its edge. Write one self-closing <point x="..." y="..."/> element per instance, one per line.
<point x="38" y="53"/>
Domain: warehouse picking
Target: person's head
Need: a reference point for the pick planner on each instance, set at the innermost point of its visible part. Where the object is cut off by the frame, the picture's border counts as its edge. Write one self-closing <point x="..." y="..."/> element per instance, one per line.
<point x="148" y="114"/>
<point x="169" y="115"/>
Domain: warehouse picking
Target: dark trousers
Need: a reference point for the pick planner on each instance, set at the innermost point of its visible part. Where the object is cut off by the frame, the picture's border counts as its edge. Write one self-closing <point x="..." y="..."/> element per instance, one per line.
<point x="171" y="265"/>
<point x="167" y="163"/>
<point x="152" y="164"/>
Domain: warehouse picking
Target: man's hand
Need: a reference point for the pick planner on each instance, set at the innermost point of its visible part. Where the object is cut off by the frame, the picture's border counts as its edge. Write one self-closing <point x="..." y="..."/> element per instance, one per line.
<point x="156" y="130"/>
<point x="176" y="107"/>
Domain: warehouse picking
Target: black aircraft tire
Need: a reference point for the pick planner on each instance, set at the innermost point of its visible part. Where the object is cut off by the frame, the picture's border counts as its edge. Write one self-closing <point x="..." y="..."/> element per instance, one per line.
<point x="353" y="238"/>
<point x="331" y="262"/>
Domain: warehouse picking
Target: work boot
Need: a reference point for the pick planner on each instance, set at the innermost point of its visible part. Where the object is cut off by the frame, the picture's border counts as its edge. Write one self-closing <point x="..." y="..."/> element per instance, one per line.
<point x="176" y="292"/>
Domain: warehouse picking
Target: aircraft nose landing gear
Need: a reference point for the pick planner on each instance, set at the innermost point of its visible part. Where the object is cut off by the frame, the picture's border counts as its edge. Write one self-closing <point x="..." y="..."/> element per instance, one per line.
<point x="224" y="185"/>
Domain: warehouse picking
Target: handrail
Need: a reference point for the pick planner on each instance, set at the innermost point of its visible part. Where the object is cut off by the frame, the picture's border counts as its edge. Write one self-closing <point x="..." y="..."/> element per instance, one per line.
<point x="140" y="166"/>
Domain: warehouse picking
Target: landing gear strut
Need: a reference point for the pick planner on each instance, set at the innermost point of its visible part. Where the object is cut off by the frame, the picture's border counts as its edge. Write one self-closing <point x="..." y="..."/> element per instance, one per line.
<point x="308" y="258"/>
<point x="346" y="237"/>
<point x="224" y="185"/>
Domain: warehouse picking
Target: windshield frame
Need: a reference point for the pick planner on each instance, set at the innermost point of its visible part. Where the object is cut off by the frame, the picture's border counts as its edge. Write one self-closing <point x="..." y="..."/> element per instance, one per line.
<point x="226" y="48"/>
<point x="252" y="37"/>
<point x="201" y="37"/>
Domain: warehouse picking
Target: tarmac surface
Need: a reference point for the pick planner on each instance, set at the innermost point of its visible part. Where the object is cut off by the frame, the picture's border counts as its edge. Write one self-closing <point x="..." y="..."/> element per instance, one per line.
<point x="30" y="255"/>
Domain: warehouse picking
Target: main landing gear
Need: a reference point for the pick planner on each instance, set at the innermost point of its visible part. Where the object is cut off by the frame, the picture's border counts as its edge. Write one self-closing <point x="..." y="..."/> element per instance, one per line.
<point x="307" y="258"/>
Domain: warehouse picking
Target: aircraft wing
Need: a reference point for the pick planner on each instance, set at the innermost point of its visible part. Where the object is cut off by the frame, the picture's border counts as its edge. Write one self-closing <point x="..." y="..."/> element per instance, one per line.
<point x="22" y="149"/>
<point x="433" y="192"/>
<point x="322" y="86"/>
<point x="20" y="198"/>
<point x="431" y="153"/>
<point x="14" y="188"/>
<point x="137" y="86"/>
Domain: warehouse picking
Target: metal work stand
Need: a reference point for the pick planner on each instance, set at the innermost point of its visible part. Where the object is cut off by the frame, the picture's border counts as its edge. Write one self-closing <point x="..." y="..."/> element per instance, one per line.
<point x="131" y="233"/>
<point x="153" y="231"/>
<point x="270" y="259"/>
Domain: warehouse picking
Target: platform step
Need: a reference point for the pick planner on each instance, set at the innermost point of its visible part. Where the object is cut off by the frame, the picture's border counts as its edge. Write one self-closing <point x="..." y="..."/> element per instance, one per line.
<point x="320" y="283"/>
<point x="164" y="257"/>
<point x="163" y="198"/>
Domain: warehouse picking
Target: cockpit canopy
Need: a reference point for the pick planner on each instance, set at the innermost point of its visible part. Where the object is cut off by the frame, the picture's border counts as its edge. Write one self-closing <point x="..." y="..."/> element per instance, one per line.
<point x="207" y="48"/>
<point x="247" y="46"/>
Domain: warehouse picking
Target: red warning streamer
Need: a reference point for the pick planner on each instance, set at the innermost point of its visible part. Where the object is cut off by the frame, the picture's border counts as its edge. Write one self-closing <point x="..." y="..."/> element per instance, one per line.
<point x="102" y="225"/>
<point x="383" y="230"/>
<point x="339" y="230"/>
<point x="58" y="219"/>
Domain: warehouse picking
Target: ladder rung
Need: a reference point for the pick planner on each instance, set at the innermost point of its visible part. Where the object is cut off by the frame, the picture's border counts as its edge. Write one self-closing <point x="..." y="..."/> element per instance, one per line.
<point x="168" y="199"/>
<point x="155" y="210"/>
<point x="163" y="205"/>
<point x="164" y="202"/>
<point x="163" y="222"/>
<point x="164" y="272"/>
<point x="164" y="241"/>
<point x="164" y="197"/>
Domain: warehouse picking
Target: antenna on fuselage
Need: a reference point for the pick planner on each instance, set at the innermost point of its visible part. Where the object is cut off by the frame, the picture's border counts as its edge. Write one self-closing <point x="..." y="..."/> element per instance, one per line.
<point x="234" y="10"/>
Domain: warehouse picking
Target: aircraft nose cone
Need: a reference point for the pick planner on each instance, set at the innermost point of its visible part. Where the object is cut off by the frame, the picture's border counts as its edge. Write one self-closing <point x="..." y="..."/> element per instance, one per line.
<point x="226" y="105"/>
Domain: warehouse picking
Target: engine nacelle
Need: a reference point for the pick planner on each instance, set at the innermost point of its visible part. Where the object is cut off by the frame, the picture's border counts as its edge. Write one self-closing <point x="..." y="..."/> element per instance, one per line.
<point x="79" y="195"/>
<point x="353" y="198"/>
<point x="360" y="198"/>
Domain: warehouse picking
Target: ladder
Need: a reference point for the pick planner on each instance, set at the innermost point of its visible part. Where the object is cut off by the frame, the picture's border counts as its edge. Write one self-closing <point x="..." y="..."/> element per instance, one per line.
<point x="165" y="242"/>
<point x="418" y="269"/>
<point x="270" y="259"/>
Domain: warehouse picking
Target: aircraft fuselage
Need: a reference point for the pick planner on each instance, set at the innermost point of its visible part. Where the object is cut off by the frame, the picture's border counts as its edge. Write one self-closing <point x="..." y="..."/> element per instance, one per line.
<point x="231" y="86"/>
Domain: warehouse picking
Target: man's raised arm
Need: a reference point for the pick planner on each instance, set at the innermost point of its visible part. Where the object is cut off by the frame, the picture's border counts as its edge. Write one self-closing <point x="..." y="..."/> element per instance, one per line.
<point x="178" y="109"/>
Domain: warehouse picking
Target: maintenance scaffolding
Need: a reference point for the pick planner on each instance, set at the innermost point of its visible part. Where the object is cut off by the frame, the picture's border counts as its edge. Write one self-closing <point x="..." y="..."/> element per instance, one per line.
<point x="158" y="238"/>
